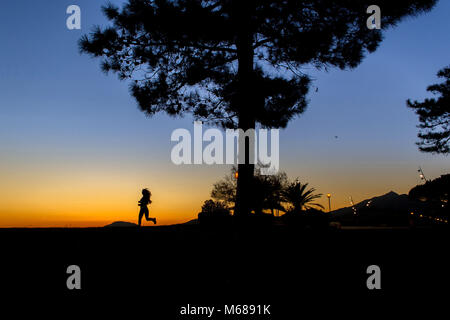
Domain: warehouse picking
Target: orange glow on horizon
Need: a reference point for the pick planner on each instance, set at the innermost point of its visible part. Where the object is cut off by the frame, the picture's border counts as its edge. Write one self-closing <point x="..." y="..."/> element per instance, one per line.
<point x="73" y="194"/>
<point x="47" y="198"/>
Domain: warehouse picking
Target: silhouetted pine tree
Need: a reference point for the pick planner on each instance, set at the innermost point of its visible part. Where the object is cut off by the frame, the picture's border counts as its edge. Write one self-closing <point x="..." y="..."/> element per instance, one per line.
<point x="236" y="62"/>
<point x="434" y="117"/>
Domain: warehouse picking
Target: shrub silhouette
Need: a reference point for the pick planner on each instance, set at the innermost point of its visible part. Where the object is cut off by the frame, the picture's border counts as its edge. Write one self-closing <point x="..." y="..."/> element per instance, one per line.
<point x="309" y="218"/>
<point x="214" y="213"/>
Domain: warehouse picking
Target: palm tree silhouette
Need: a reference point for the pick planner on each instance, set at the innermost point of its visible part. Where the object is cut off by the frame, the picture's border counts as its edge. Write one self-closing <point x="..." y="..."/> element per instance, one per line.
<point x="299" y="197"/>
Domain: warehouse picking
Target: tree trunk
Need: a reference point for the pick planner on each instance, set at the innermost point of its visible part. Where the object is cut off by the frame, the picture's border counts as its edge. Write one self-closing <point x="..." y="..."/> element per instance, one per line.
<point x="246" y="116"/>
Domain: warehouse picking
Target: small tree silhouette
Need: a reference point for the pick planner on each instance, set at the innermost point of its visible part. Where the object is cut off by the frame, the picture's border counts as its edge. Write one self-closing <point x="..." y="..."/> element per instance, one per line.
<point x="299" y="198"/>
<point x="225" y="189"/>
<point x="266" y="191"/>
<point x="434" y="117"/>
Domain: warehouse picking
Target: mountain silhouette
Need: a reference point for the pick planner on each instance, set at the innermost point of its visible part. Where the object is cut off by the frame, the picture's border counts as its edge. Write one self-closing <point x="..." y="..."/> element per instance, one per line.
<point x="389" y="209"/>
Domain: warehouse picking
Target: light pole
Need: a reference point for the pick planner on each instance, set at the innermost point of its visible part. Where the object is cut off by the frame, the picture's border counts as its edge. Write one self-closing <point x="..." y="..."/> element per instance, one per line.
<point x="329" y="201"/>
<point x="421" y="175"/>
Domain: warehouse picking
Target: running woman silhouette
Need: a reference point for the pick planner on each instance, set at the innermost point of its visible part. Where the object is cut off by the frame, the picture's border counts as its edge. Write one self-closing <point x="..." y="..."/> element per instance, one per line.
<point x="143" y="203"/>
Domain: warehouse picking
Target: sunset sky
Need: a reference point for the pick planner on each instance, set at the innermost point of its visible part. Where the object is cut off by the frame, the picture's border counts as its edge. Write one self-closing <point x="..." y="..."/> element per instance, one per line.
<point x="76" y="151"/>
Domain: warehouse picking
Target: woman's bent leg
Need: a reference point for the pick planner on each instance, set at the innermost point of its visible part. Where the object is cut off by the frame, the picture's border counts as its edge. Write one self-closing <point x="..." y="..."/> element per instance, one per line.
<point x="146" y="214"/>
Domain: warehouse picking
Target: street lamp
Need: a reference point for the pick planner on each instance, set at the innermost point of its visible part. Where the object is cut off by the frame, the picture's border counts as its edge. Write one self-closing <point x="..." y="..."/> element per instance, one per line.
<point x="422" y="175"/>
<point x="329" y="201"/>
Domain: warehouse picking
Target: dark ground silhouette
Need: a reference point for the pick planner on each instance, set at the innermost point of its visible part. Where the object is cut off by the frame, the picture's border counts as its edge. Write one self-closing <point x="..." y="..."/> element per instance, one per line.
<point x="296" y="272"/>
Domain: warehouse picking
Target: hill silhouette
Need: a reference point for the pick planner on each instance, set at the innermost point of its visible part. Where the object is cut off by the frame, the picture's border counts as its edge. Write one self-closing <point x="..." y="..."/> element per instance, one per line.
<point x="389" y="209"/>
<point x="121" y="224"/>
<point x="125" y="224"/>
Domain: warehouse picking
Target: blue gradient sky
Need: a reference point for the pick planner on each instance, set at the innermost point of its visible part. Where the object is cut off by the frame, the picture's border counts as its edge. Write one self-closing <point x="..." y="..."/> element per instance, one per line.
<point x="75" y="150"/>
